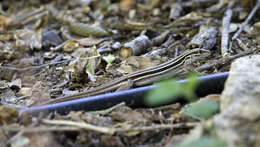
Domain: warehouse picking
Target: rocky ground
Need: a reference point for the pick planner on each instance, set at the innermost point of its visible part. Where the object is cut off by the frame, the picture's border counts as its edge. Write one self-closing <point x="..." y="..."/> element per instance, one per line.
<point x="51" y="48"/>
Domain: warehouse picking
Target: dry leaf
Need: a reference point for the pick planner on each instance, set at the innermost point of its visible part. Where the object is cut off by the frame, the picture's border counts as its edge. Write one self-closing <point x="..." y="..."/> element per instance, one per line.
<point x="88" y="60"/>
<point x="7" y="115"/>
<point x="135" y="63"/>
<point x="39" y="93"/>
<point x="4" y="22"/>
<point x="93" y="64"/>
<point x="126" y="5"/>
<point x="28" y="39"/>
<point x="20" y="141"/>
<point x="26" y="91"/>
<point x="130" y="116"/>
<point x="70" y="46"/>
<point x="89" y="41"/>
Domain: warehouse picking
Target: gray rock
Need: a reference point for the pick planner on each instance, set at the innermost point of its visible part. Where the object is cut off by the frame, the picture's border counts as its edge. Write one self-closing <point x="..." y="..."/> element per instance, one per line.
<point x="239" y="120"/>
<point x="51" y="38"/>
<point x="205" y="38"/>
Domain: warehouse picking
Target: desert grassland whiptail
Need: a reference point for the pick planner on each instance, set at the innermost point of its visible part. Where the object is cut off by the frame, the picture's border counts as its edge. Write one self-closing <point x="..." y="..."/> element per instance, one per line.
<point x="144" y="77"/>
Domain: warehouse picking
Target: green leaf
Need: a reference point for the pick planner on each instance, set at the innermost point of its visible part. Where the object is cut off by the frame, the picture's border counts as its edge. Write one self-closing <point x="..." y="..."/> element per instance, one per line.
<point x="165" y="92"/>
<point x="190" y="87"/>
<point x="92" y="64"/>
<point x="88" y="30"/>
<point x="170" y="90"/>
<point x="204" y="141"/>
<point x="109" y="58"/>
<point x="202" y="110"/>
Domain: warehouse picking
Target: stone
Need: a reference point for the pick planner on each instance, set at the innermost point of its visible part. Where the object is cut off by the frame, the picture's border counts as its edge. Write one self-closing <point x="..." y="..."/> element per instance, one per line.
<point x="51" y="38"/>
<point x="238" y="122"/>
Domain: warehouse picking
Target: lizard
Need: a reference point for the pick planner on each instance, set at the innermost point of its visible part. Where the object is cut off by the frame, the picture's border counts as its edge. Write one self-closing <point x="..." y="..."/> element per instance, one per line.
<point x="139" y="78"/>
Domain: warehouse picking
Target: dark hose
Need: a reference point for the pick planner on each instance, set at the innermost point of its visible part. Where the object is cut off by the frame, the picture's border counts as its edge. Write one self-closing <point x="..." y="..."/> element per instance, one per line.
<point x="211" y="84"/>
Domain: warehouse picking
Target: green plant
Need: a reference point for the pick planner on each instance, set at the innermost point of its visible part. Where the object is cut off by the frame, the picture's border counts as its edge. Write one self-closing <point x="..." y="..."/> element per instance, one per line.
<point x="170" y="90"/>
<point x="204" y="141"/>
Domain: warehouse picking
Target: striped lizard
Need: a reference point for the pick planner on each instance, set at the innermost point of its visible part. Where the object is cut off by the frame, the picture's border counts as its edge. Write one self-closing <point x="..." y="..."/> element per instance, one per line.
<point x="143" y="77"/>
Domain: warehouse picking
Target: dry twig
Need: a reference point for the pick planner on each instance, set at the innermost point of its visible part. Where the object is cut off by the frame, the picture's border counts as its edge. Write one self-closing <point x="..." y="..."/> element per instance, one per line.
<point x="106" y="111"/>
<point x="225" y="33"/>
<point x="34" y="67"/>
<point x="158" y="127"/>
<point x="40" y="129"/>
<point x="76" y="126"/>
<point x="82" y="125"/>
<point x="249" y="17"/>
<point x="57" y="48"/>
<point x="223" y="61"/>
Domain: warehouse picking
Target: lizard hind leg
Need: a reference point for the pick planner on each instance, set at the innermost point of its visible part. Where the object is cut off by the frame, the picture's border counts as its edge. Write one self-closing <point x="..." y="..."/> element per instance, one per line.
<point x="126" y="85"/>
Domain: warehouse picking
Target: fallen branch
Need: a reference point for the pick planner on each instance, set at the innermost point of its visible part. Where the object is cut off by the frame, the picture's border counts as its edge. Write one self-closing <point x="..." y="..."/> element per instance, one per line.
<point x="76" y="126"/>
<point x="82" y="125"/>
<point x="107" y="111"/>
<point x="157" y="127"/>
<point x="225" y="33"/>
<point x="249" y="17"/>
<point x="223" y="60"/>
<point x="34" y="67"/>
<point x="39" y="129"/>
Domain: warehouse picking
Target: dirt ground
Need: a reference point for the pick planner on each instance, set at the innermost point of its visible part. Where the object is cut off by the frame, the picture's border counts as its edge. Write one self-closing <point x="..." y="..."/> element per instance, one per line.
<point x="50" y="49"/>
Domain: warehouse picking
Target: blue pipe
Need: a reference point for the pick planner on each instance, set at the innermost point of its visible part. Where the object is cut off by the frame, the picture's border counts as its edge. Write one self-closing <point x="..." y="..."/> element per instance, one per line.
<point x="210" y="84"/>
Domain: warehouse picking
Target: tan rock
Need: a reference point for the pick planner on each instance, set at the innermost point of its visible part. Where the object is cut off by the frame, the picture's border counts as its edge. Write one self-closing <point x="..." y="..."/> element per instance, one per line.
<point x="238" y="122"/>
